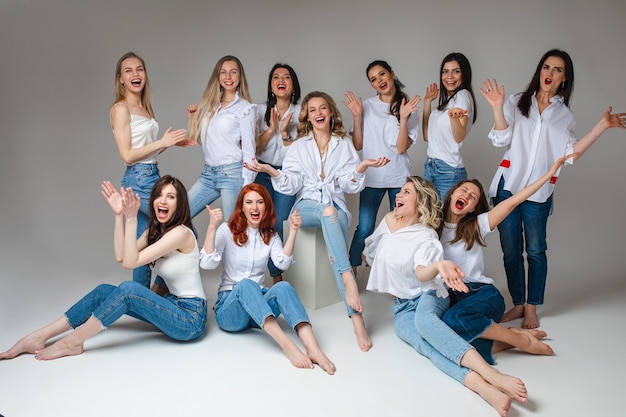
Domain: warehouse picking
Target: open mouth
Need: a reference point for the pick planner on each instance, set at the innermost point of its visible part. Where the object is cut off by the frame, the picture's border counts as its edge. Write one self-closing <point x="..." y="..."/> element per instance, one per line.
<point x="460" y="203"/>
<point x="281" y="87"/>
<point x="320" y="120"/>
<point x="162" y="212"/>
<point x="547" y="81"/>
<point x="136" y="82"/>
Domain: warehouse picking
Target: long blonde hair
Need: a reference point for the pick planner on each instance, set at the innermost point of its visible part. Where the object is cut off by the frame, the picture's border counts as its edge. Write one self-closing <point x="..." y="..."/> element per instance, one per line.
<point x="337" y="121"/>
<point x="211" y="97"/>
<point x="428" y="205"/>
<point x="120" y="90"/>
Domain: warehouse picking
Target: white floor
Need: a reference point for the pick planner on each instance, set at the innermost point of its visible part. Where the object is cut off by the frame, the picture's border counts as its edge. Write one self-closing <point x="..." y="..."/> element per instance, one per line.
<point x="133" y="370"/>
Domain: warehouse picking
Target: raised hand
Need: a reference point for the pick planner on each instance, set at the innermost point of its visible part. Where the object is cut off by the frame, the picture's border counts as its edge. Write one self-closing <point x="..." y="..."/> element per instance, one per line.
<point x="355" y="105"/>
<point x="408" y="107"/>
<point x="215" y="217"/>
<point x="614" y="120"/>
<point x="130" y="202"/>
<point x="191" y="109"/>
<point x="493" y="93"/>
<point x="431" y="93"/>
<point x="112" y="197"/>
<point x="173" y="137"/>
<point x="284" y="126"/>
<point x="456" y="113"/>
<point x="295" y="220"/>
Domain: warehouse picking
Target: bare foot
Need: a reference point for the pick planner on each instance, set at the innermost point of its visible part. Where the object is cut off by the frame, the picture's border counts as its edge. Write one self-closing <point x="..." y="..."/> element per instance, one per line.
<point x="28" y="344"/>
<point x="353" y="299"/>
<point x="531" y="321"/>
<point x="533" y="343"/>
<point x="59" y="349"/>
<point x="511" y="386"/>
<point x="297" y="358"/>
<point x="515" y="313"/>
<point x="500" y="401"/>
<point x="322" y="360"/>
<point x="362" y="338"/>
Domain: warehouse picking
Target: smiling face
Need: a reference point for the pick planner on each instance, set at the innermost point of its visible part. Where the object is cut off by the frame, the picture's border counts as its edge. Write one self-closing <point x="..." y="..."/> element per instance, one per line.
<point x="451" y="76"/>
<point x="319" y="114"/>
<point x="463" y="200"/>
<point x="165" y="204"/>
<point x="552" y="74"/>
<point x="253" y="208"/>
<point x="133" y="75"/>
<point x="406" y="201"/>
<point x="282" y="84"/>
<point x="229" y="76"/>
<point x="382" y="80"/>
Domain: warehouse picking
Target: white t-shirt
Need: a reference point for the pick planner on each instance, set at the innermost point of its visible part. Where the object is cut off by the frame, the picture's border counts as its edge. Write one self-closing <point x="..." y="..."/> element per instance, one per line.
<point x="441" y="143"/>
<point x="393" y="258"/>
<point x="470" y="261"/>
<point x="380" y="137"/>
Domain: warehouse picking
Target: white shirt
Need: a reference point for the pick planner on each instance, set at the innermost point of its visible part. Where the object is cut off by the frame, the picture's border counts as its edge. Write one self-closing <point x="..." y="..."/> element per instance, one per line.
<point x="143" y="131"/>
<point x="302" y="167"/>
<point x="470" y="261"/>
<point x="380" y="138"/>
<point x="274" y="152"/>
<point x="247" y="261"/>
<point x="395" y="256"/>
<point x="441" y="143"/>
<point x="228" y="137"/>
<point x="533" y="144"/>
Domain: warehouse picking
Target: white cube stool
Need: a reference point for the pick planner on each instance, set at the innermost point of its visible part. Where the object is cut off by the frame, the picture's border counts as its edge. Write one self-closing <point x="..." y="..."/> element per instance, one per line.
<point x="311" y="274"/>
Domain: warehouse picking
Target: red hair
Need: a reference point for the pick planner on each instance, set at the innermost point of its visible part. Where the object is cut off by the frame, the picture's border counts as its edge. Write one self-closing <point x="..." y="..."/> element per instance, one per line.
<point x="239" y="225"/>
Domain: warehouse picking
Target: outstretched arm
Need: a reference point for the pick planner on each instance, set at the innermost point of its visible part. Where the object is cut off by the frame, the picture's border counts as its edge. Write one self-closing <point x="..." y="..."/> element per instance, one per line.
<point x="449" y="271"/>
<point x="607" y="121"/>
<point x="504" y="208"/>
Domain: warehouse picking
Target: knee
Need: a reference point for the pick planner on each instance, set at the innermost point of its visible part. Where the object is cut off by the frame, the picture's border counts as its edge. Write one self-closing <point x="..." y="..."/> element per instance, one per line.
<point x="329" y="211"/>
<point x="283" y="287"/>
<point x="247" y="284"/>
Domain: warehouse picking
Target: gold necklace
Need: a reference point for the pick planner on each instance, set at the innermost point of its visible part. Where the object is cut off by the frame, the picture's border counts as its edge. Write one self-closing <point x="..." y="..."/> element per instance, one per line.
<point x="323" y="157"/>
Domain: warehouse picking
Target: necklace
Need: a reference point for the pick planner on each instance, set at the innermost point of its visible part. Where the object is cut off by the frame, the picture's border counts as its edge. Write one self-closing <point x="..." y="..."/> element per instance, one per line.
<point x="323" y="157"/>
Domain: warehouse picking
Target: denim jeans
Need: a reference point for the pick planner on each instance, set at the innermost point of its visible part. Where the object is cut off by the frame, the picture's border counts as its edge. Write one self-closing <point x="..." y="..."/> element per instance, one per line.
<point x="472" y="313"/>
<point x="141" y="178"/>
<point x="526" y="225"/>
<point x="418" y="323"/>
<point x="248" y="305"/>
<point x="224" y="180"/>
<point x="282" y="206"/>
<point x="442" y="175"/>
<point x="179" y="318"/>
<point x="369" y="203"/>
<point x="335" y="230"/>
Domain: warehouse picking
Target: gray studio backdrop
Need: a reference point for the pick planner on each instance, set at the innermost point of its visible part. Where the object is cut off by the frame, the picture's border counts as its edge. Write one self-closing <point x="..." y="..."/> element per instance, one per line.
<point x="56" y="87"/>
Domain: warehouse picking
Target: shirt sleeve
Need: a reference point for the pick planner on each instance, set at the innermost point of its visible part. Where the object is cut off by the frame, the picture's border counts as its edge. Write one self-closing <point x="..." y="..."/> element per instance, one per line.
<point x="280" y="259"/>
<point x="212" y="260"/>
<point x="248" y="140"/>
<point x="501" y="138"/>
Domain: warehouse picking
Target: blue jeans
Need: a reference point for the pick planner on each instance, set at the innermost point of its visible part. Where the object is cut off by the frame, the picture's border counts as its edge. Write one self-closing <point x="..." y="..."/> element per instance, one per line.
<point x="526" y="225"/>
<point x="335" y="230"/>
<point x="224" y="180"/>
<point x="282" y="206"/>
<point x="248" y="305"/>
<point x="472" y="313"/>
<point x="369" y="202"/>
<point x="141" y="178"/>
<point x="179" y="318"/>
<point x="418" y="323"/>
<point x="443" y="176"/>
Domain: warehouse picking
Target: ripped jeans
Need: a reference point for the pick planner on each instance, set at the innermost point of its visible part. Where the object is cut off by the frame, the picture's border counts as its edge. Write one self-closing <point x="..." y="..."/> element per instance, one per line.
<point x="335" y="229"/>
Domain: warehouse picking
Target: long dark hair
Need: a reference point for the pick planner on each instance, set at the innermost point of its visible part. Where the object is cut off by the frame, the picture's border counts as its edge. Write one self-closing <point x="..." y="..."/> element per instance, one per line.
<point x="467" y="229"/>
<point x="396" y="101"/>
<point x="182" y="215"/>
<point x="271" y="98"/>
<point x="565" y="89"/>
<point x="466" y="81"/>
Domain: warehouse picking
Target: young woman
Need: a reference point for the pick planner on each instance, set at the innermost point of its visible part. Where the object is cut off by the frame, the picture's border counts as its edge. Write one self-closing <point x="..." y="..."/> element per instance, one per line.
<point x="536" y="127"/>
<point x="446" y="128"/>
<point x="276" y="130"/>
<point x="168" y="244"/>
<point x="406" y="261"/>
<point x="383" y="125"/>
<point x="319" y="168"/>
<point x="244" y="245"/>
<point x="475" y="315"/>
<point x="135" y="131"/>
<point x="223" y="122"/>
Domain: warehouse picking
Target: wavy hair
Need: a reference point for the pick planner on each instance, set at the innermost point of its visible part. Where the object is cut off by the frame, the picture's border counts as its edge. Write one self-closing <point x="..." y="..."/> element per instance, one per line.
<point x="337" y="121"/>
<point x="466" y="81"/>
<point x="182" y="215"/>
<point x="427" y="202"/>
<point x="467" y="229"/>
<point x="238" y="223"/>
<point x="271" y="98"/>
<point x="120" y="90"/>
<point x="396" y="101"/>
<point x="212" y="93"/>
<point x="565" y="89"/>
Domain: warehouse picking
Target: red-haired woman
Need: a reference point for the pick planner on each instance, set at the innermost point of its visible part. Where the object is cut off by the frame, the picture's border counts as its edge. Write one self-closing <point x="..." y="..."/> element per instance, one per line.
<point x="245" y="244"/>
